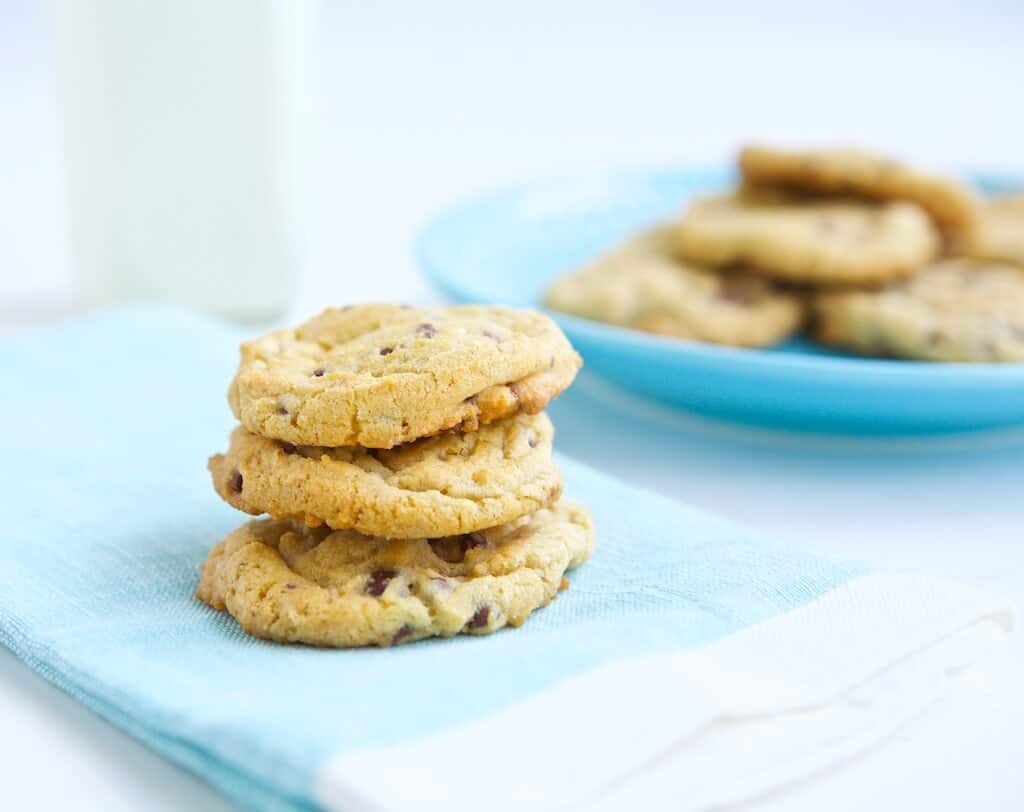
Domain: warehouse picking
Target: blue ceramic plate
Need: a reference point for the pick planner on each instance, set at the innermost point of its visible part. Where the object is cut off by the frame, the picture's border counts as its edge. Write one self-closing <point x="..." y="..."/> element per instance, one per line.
<point x="505" y="247"/>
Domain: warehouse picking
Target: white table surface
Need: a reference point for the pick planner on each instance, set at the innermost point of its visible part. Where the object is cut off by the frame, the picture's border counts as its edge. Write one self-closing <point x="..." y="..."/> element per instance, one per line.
<point x="417" y="113"/>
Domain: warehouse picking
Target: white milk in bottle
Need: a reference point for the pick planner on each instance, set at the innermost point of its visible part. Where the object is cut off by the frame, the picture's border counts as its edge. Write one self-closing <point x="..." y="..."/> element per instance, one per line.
<point x="185" y="143"/>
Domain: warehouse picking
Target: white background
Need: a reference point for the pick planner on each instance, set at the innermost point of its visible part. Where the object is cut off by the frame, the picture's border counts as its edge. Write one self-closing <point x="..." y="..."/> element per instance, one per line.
<point x="423" y="102"/>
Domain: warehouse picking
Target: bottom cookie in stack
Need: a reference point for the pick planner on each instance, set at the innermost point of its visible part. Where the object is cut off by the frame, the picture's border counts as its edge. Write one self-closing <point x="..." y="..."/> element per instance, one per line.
<point x="287" y="582"/>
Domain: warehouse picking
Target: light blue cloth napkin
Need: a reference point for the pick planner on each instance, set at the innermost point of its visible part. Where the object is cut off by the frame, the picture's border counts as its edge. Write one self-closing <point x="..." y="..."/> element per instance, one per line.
<point x="109" y="514"/>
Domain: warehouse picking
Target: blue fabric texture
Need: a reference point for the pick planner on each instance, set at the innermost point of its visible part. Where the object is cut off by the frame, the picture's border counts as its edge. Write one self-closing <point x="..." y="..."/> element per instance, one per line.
<point x="110" y="513"/>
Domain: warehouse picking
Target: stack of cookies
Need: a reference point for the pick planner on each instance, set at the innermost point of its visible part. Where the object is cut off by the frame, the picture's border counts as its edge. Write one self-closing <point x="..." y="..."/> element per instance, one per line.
<point x="880" y="258"/>
<point x="404" y="458"/>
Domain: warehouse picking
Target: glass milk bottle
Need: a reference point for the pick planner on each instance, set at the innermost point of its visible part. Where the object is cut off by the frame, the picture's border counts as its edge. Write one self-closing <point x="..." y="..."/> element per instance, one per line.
<point x="185" y="139"/>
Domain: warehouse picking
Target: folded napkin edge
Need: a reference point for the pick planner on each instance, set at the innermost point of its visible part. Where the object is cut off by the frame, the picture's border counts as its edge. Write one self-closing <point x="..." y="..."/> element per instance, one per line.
<point x="865" y="635"/>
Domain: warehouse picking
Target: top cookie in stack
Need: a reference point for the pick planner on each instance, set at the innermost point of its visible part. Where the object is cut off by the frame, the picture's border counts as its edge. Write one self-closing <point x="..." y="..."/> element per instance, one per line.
<point x="381" y="375"/>
<point x="405" y="458"/>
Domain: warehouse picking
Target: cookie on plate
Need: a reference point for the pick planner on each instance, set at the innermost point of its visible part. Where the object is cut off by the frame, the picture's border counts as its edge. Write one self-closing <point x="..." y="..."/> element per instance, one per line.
<point x="644" y="285"/>
<point x="381" y="375"/>
<point x="286" y="582"/>
<point x="954" y="310"/>
<point x="822" y="242"/>
<point x="443" y="485"/>
<point x="1001" y="231"/>
<point x="953" y="205"/>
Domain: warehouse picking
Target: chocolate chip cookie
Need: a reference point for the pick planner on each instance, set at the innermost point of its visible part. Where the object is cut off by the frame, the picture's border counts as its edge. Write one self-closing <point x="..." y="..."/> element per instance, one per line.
<point x="443" y="485"/>
<point x="1001" y="231"/>
<point x="644" y="285"/>
<point x="953" y="205"/>
<point x="954" y="310"/>
<point x="381" y="375"/>
<point x="286" y="582"/>
<point x="822" y="242"/>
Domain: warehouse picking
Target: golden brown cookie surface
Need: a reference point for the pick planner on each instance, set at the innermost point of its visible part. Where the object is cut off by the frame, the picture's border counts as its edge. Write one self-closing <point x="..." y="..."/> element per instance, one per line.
<point x="954" y="310"/>
<point x="642" y="284"/>
<point x="443" y="485"/>
<point x="954" y="206"/>
<point x="824" y="242"/>
<point x="289" y="583"/>
<point x="381" y="375"/>
<point x="1001" y="231"/>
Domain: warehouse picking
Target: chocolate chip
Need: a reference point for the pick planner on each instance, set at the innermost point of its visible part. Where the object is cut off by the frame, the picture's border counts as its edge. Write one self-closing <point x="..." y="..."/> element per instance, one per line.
<point x="401" y="634"/>
<point x="532" y="442"/>
<point x="281" y="408"/>
<point x="426" y="330"/>
<point x="319" y="372"/>
<point x="378" y="580"/>
<point x="288" y="448"/>
<point x="386" y="350"/>
<point x="739" y="290"/>
<point x="474" y="540"/>
<point x="235" y="481"/>
<point x="451" y="549"/>
<point x="480" y="617"/>
<point x="290" y="586"/>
